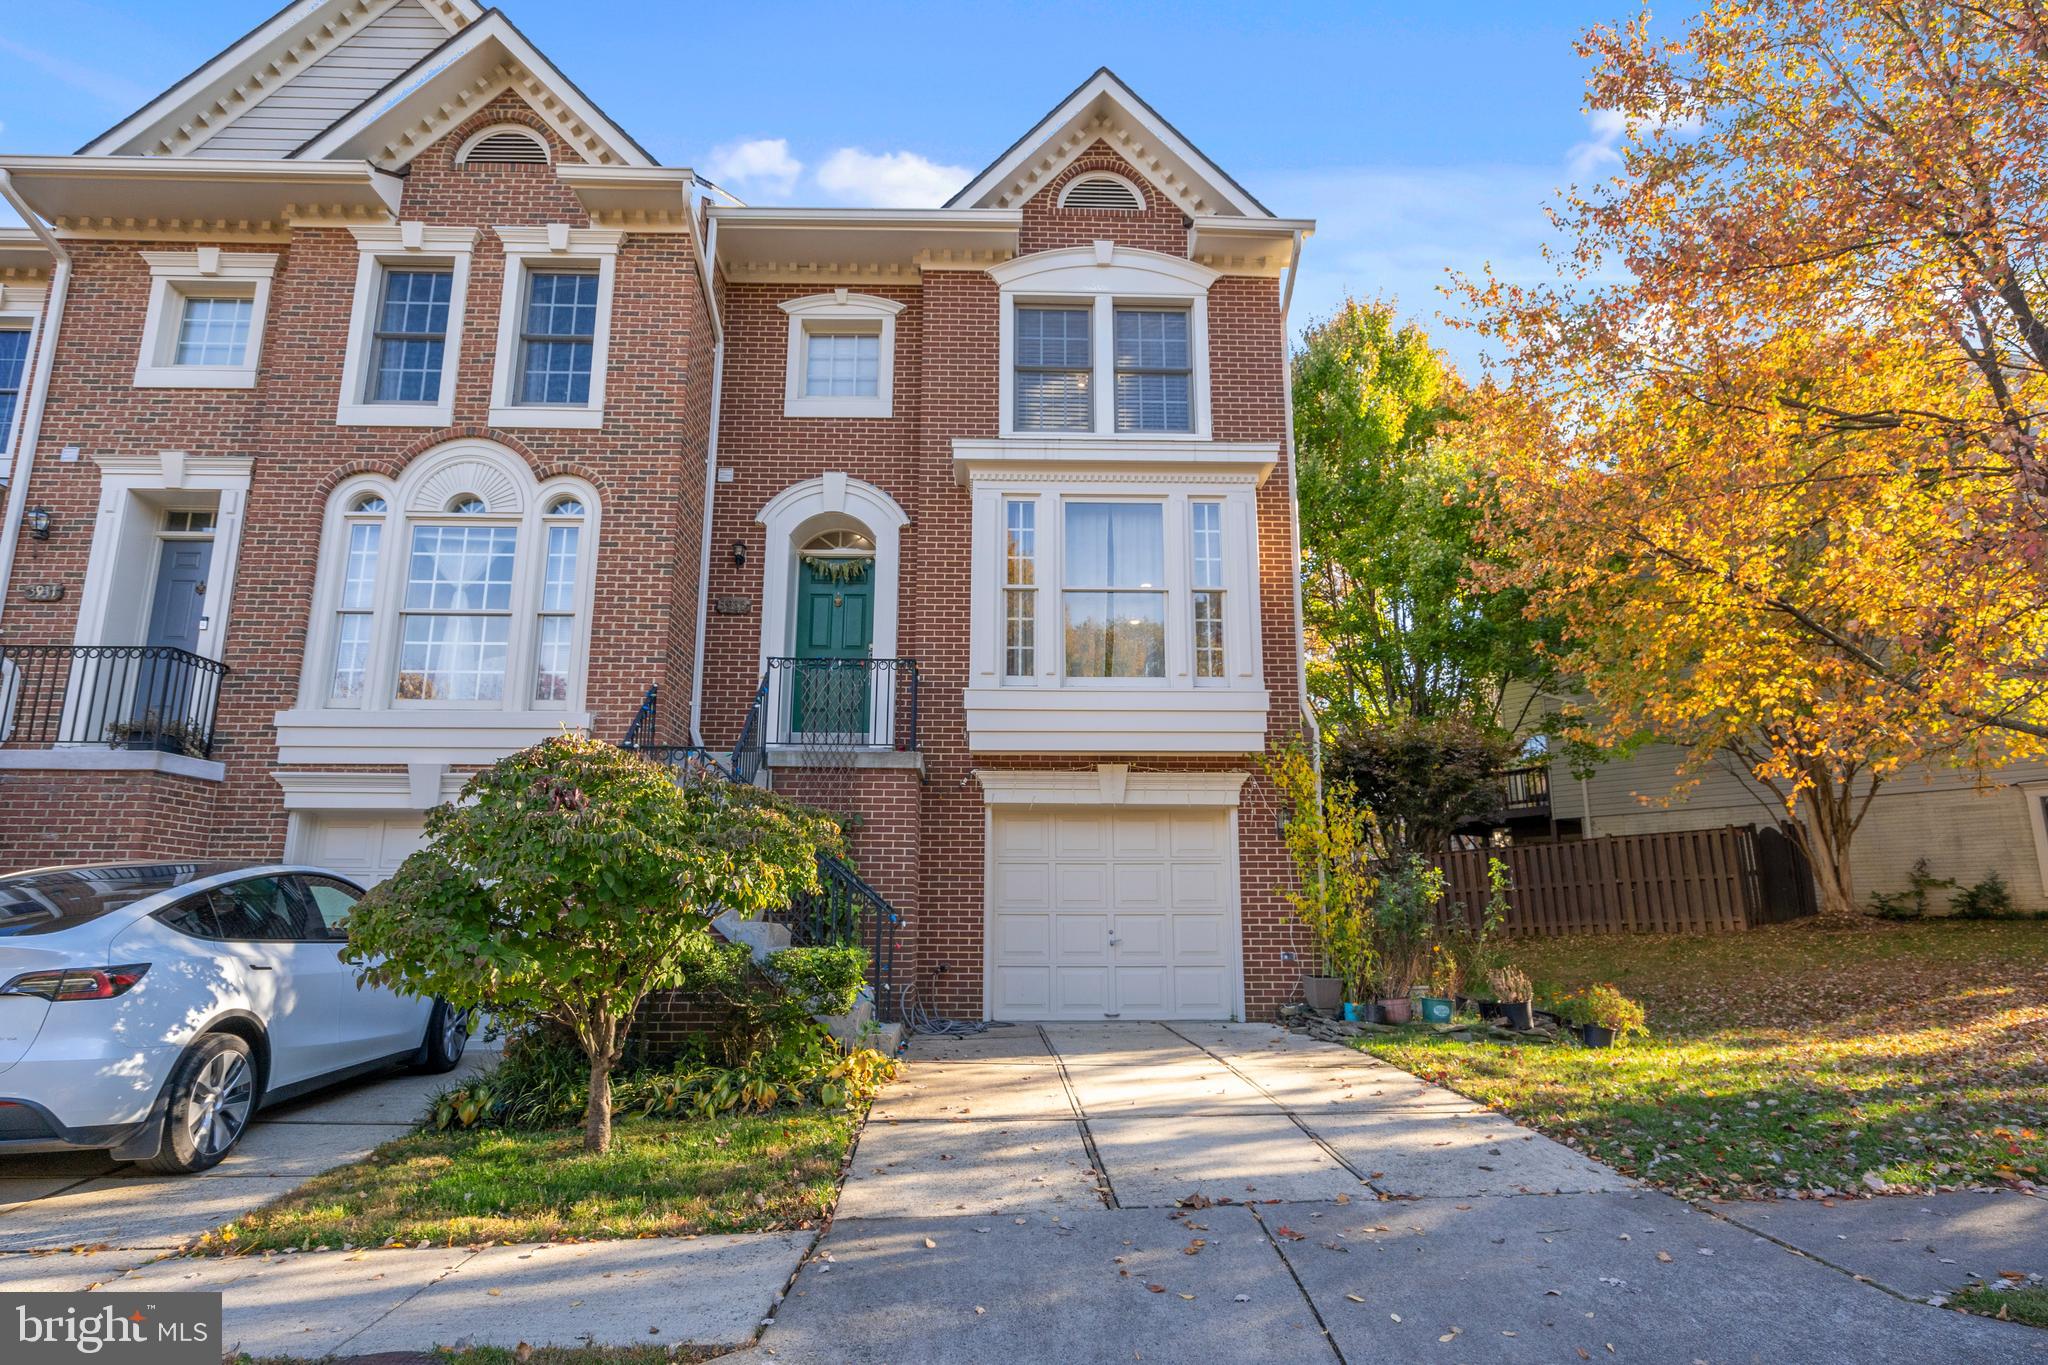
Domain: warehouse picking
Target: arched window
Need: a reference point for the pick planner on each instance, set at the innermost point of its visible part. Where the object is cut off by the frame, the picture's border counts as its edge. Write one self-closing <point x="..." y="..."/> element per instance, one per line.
<point x="465" y="584"/>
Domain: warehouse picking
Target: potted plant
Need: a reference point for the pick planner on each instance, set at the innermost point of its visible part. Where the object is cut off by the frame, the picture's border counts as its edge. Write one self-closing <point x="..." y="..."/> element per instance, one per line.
<point x="1403" y="920"/>
<point x="153" y="732"/>
<point x="1327" y="835"/>
<point x="1609" y="1016"/>
<point x="1511" y="988"/>
<point x="1443" y="986"/>
<point x="1357" y="961"/>
<point x="1474" y="941"/>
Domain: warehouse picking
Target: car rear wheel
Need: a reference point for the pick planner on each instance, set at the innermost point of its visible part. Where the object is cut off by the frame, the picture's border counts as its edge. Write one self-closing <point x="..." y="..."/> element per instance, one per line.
<point x="212" y="1094"/>
<point x="447" y="1038"/>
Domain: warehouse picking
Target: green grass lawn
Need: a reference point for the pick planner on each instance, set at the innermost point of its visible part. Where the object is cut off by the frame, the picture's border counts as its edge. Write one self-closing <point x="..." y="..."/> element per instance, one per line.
<point x="2028" y="1305"/>
<point x="1788" y="1057"/>
<point x="738" y="1173"/>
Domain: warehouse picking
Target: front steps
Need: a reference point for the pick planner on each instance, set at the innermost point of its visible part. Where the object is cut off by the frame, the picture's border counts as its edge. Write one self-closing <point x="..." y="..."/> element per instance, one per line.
<point x="855" y="1028"/>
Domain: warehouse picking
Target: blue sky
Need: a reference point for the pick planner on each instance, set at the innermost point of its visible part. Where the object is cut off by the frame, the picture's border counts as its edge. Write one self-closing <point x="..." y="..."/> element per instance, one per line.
<point x="1421" y="137"/>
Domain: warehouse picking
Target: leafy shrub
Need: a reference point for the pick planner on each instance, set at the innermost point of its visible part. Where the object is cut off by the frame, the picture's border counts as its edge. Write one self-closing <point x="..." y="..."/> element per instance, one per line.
<point x="1404" y="920"/>
<point x="1475" y="943"/>
<point x="1421" y="777"/>
<point x="1608" y="1008"/>
<point x="826" y="979"/>
<point x="1912" y="902"/>
<point x="1988" y="899"/>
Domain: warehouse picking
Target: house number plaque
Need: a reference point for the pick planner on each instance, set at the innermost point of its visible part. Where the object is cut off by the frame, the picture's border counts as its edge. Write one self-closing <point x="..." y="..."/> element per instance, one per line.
<point x="734" y="606"/>
<point x="43" y="592"/>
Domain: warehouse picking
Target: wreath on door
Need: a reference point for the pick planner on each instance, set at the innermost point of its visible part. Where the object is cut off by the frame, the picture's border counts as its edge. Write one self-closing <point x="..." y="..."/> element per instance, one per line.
<point x="837" y="570"/>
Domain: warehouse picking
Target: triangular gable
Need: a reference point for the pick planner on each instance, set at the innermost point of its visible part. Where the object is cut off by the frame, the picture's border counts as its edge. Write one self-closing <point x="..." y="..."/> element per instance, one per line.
<point x="1106" y="109"/>
<point x="237" y="105"/>
<point x="484" y="60"/>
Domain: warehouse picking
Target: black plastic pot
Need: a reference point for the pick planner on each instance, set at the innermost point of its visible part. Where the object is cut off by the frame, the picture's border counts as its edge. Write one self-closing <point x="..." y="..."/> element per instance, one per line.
<point x="1516" y="1014"/>
<point x="1592" y="1035"/>
<point x="1489" y="1010"/>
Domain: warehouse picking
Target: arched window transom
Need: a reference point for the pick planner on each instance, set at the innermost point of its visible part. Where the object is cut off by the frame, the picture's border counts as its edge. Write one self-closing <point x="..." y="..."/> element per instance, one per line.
<point x="472" y="600"/>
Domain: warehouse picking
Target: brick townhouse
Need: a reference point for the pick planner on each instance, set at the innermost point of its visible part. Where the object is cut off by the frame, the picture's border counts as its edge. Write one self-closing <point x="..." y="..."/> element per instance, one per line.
<point x="374" y="405"/>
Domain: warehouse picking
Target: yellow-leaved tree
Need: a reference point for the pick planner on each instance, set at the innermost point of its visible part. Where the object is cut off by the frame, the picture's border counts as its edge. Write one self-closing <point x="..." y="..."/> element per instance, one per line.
<point x="1769" y="445"/>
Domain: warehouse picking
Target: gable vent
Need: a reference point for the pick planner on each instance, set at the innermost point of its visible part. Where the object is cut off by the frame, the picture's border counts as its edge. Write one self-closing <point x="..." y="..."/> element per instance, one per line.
<point x="1101" y="192"/>
<point x="515" y="145"/>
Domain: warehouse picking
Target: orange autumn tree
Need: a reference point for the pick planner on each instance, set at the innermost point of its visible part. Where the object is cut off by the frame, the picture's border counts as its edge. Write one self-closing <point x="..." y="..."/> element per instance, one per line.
<point x="1769" y="445"/>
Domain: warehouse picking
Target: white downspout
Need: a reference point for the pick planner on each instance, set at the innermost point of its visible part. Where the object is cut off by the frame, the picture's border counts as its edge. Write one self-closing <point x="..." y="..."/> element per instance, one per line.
<point x="31" y="429"/>
<point x="709" y="265"/>
<point x="1308" y="715"/>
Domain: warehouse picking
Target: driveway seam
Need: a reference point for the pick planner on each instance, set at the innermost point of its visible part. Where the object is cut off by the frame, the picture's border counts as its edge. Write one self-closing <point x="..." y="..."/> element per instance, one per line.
<point x="1329" y="1338"/>
<point x="1283" y="1107"/>
<point x="339" y="1345"/>
<point x="1104" y="1188"/>
<point x="1817" y="1259"/>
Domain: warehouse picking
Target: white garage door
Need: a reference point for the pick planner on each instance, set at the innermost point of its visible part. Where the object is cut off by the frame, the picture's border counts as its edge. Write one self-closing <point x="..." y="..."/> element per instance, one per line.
<point x="1117" y="914"/>
<point x="368" y="848"/>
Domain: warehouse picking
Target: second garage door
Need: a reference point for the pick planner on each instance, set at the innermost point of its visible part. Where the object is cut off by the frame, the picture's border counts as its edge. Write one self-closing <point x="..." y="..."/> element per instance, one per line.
<point x="366" y="847"/>
<point x="1123" y="914"/>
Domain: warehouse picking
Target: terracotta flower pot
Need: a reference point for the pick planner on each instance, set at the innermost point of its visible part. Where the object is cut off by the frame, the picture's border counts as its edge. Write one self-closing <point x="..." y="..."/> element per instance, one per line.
<point x="1397" y="1009"/>
<point x="1324" y="994"/>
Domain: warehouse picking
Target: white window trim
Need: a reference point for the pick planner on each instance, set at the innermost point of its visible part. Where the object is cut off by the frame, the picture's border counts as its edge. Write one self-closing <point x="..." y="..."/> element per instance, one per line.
<point x="401" y="246"/>
<point x="21" y="310"/>
<point x="171" y="273"/>
<point x="381" y="722"/>
<point x="852" y="312"/>
<point x="1099" y="277"/>
<point x="527" y="249"/>
<point x="2035" y="794"/>
<point x="797" y="513"/>
<point x="511" y="126"/>
<point x="1054" y="713"/>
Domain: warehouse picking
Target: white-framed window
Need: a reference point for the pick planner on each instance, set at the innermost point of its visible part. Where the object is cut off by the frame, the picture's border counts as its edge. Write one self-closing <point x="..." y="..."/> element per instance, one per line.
<point x="204" y="324"/>
<point x="405" y="327"/>
<point x="1121" y="585"/>
<point x="14" y="344"/>
<point x="842" y="355"/>
<point x="554" y="326"/>
<point x="1104" y="342"/>
<point x="463" y="585"/>
<point x="1020" y="588"/>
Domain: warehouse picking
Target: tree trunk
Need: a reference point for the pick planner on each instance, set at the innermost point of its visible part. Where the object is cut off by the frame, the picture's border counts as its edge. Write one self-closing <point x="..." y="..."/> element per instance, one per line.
<point x="600" y="1040"/>
<point x="1828" y="823"/>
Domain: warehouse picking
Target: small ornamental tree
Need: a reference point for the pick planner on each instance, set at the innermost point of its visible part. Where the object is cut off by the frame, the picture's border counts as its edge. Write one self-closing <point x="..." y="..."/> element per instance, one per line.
<point x="566" y="884"/>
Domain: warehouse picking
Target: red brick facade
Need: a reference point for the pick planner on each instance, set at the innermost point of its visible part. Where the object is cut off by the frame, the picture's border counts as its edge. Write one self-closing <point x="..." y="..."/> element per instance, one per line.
<point x="918" y="836"/>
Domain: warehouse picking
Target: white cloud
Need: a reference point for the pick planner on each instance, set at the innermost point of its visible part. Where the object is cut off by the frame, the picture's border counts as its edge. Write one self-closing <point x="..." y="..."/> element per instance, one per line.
<point x="1603" y="148"/>
<point x="892" y="180"/>
<point x="762" y="166"/>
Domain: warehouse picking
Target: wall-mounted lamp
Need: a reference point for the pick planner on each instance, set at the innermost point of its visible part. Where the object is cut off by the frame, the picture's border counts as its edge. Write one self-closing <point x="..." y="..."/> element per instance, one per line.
<point x="739" y="554"/>
<point x="38" y="521"/>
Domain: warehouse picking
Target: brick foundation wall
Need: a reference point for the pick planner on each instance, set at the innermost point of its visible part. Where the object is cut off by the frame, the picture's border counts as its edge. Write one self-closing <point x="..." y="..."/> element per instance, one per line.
<point x="68" y="816"/>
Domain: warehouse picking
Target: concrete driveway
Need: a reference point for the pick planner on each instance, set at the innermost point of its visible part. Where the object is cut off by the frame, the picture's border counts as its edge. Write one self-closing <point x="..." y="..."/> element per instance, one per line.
<point x="1234" y="1193"/>
<point x="125" y="1216"/>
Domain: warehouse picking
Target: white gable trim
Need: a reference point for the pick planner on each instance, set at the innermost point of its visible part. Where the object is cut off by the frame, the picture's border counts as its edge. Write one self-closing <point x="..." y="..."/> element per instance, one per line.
<point x="1105" y="108"/>
<point x="248" y="69"/>
<point x="491" y="56"/>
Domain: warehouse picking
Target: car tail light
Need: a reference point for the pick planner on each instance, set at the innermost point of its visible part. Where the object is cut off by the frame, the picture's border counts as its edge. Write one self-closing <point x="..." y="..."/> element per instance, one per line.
<point x="78" y="983"/>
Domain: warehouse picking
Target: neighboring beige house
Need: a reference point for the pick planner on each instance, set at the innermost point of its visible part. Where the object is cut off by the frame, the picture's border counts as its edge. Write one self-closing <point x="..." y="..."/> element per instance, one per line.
<point x="1963" y="830"/>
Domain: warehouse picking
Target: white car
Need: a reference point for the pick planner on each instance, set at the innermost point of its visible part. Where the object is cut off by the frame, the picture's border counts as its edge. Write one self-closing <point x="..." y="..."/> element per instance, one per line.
<point x="150" y="1008"/>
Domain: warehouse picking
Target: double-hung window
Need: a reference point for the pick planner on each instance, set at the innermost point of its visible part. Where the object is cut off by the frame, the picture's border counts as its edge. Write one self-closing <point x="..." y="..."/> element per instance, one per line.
<point x="405" y="333"/>
<point x="1020" y="588"/>
<point x="13" y="368"/>
<point x="555" y="637"/>
<point x="411" y="339"/>
<point x="554" y="326"/>
<point x="203" y="328"/>
<point x="1154" y="370"/>
<point x="1205" y="578"/>
<point x="557" y="338"/>
<point x="1055" y="369"/>
<point x="1114" y="595"/>
<point x="456" y="628"/>
<point x="213" y="330"/>
<point x="356" y="614"/>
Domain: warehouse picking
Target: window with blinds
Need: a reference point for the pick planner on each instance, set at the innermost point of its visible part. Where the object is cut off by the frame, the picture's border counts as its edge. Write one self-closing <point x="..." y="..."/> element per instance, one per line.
<point x="1154" y="370"/>
<point x="1054" y="370"/>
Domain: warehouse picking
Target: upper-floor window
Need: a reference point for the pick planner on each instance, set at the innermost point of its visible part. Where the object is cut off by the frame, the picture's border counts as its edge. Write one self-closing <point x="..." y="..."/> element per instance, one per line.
<point x="554" y="326"/>
<point x="1104" y="341"/>
<point x="842" y="355"/>
<point x="203" y="328"/>
<point x="465" y="585"/>
<point x="13" y="369"/>
<point x="405" y="332"/>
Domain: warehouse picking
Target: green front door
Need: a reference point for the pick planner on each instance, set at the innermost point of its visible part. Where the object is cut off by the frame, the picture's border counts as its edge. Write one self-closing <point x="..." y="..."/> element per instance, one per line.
<point x="835" y="621"/>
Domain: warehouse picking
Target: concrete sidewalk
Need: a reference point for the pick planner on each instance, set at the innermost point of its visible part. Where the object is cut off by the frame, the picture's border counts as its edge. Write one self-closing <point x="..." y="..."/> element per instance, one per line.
<point x="1234" y="1193"/>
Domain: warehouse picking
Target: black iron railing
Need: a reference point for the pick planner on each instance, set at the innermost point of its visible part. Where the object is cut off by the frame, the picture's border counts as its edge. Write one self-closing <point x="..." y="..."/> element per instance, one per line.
<point x="750" y="754"/>
<point x="151" y="697"/>
<point x="643" y="737"/>
<point x="825" y="707"/>
<point x="847" y="911"/>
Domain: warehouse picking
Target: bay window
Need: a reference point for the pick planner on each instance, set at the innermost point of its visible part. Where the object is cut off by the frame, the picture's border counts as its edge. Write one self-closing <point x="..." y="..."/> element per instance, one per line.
<point x="1114" y="591"/>
<point x="1206" y="587"/>
<point x="1020" y="588"/>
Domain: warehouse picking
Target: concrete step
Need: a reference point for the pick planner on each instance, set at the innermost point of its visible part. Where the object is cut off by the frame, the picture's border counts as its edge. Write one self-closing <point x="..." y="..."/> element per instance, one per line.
<point x="760" y="936"/>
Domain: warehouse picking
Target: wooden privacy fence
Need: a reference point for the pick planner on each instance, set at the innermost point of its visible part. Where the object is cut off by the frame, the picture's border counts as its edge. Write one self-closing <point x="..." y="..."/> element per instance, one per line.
<point x="1701" y="881"/>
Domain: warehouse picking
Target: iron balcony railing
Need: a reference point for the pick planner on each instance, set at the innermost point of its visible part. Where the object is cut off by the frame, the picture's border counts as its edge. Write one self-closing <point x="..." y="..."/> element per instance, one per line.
<point x="152" y="697"/>
<point x="827" y="708"/>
